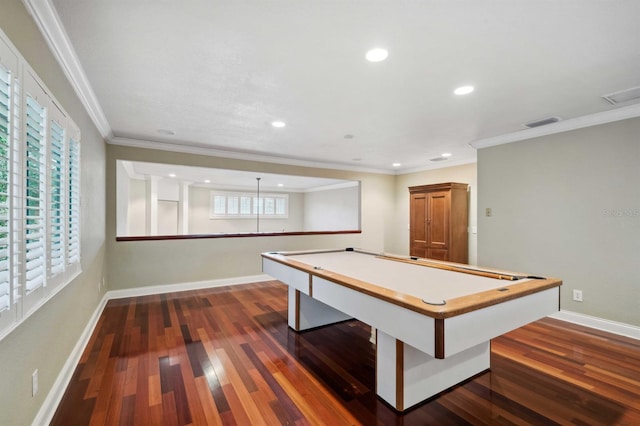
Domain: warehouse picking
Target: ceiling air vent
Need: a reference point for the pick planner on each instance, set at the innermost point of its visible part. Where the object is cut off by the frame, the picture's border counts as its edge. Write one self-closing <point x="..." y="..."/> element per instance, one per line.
<point x="439" y="159"/>
<point x="623" y="96"/>
<point x="542" y="122"/>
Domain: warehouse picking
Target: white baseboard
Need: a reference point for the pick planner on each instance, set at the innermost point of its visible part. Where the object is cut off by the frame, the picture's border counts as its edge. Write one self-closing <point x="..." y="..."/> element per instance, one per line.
<point x="197" y="285"/>
<point x="51" y="402"/>
<point x="599" y="323"/>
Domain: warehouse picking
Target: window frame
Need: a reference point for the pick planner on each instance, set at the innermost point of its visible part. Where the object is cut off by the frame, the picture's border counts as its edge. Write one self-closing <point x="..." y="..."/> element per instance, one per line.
<point x="256" y="205"/>
<point x="38" y="182"/>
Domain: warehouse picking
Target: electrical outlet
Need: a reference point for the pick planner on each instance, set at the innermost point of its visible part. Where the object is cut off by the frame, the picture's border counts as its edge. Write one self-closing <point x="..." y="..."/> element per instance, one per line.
<point x="34" y="383"/>
<point x="488" y="212"/>
<point x="577" y="295"/>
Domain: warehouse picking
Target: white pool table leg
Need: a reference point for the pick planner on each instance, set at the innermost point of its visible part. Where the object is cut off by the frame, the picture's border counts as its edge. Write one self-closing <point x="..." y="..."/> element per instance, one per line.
<point x="305" y="312"/>
<point x="406" y="376"/>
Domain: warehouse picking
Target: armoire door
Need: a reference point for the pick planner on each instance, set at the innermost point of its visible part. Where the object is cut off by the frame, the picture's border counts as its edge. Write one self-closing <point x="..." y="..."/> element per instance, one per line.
<point x="438" y="214"/>
<point x="418" y="225"/>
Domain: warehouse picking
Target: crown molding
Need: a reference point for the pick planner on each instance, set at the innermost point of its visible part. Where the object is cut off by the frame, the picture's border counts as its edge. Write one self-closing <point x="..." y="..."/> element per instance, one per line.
<point x="212" y="152"/>
<point x="438" y="165"/>
<point x="48" y="21"/>
<point x="595" y="119"/>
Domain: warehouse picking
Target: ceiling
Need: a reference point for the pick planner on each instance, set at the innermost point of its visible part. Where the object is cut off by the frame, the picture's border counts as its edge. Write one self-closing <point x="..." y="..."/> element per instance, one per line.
<point x="216" y="74"/>
<point x="230" y="179"/>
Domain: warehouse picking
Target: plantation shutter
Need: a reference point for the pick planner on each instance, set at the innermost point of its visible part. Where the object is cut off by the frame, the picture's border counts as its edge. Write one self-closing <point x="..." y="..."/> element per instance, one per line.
<point x="35" y="201"/>
<point x="73" y="203"/>
<point x="5" y="190"/>
<point x="57" y="197"/>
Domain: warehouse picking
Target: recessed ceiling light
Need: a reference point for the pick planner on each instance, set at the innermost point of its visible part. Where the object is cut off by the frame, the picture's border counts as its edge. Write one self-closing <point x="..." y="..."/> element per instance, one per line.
<point x="172" y="175"/>
<point x="281" y="185"/>
<point x="278" y="124"/>
<point x="377" y="55"/>
<point x="166" y="132"/>
<point x="348" y="136"/>
<point x="207" y="181"/>
<point x="447" y="155"/>
<point x="396" y="164"/>
<point x="463" y="90"/>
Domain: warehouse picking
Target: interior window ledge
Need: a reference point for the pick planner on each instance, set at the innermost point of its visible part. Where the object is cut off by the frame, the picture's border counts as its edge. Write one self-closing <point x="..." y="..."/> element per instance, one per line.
<point x="238" y="235"/>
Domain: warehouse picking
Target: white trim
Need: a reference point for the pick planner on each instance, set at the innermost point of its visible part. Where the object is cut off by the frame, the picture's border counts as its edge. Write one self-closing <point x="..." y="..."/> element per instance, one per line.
<point x="614" y="327"/>
<point x="51" y="402"/>
<point x="212" y="152"/>
<point x="335" y="186"/>
<point x="561" y="126"/>
<point x="437" y="165"/>
<point x="46" y="17"/>
<point x="196" y="285"/>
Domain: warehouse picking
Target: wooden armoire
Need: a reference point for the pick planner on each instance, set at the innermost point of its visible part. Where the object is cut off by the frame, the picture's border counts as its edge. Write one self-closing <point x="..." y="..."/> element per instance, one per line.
<point x="439" y="219"/>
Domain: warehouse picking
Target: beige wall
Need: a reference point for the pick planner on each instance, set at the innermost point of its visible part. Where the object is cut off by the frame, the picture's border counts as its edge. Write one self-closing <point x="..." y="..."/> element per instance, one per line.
<point x="45" y="340"/>
<point x="147" y="263"/>
<point x="568" y="206"/>
<point x="399" y="243"/>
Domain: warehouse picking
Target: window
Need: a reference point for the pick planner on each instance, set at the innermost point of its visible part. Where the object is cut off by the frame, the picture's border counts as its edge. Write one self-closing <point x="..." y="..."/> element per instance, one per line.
<point x="244" y="205"/>
<point x="39" y="192"/>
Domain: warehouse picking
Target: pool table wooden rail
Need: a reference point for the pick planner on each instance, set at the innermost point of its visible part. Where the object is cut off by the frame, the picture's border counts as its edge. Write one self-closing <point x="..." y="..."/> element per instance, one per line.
<point x="453" y="307"/>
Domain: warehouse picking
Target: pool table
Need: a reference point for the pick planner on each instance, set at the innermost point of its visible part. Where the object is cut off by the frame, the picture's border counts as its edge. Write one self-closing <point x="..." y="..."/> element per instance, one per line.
<point x="433" y="320"/>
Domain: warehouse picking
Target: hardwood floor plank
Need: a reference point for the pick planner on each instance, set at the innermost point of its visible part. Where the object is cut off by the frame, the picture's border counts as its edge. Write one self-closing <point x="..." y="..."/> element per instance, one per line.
<point x="216" y="378"/>
<point x="244" y="394"/>
<point x="291" y="411"/>
<point x="128" y="411"/>
<point x="99" y="366"/>
<point x="169" y="410"/>
<point x="225" y="356"/>
<point x="155" y="390"/>
<point x="211" y="415"/>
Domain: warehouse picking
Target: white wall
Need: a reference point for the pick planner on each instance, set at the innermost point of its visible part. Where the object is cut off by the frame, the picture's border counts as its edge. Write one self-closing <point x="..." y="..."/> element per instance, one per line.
<point x="568" y="206"/>
<point x="332" y="209"/>
<point x="167" y="217"/>
<point x="123" y="183"/>
<point x="137" y="211"/>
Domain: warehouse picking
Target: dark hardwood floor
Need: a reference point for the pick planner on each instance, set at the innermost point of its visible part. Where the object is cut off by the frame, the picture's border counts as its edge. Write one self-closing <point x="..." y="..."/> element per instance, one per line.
<point x="226" y="356"/>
